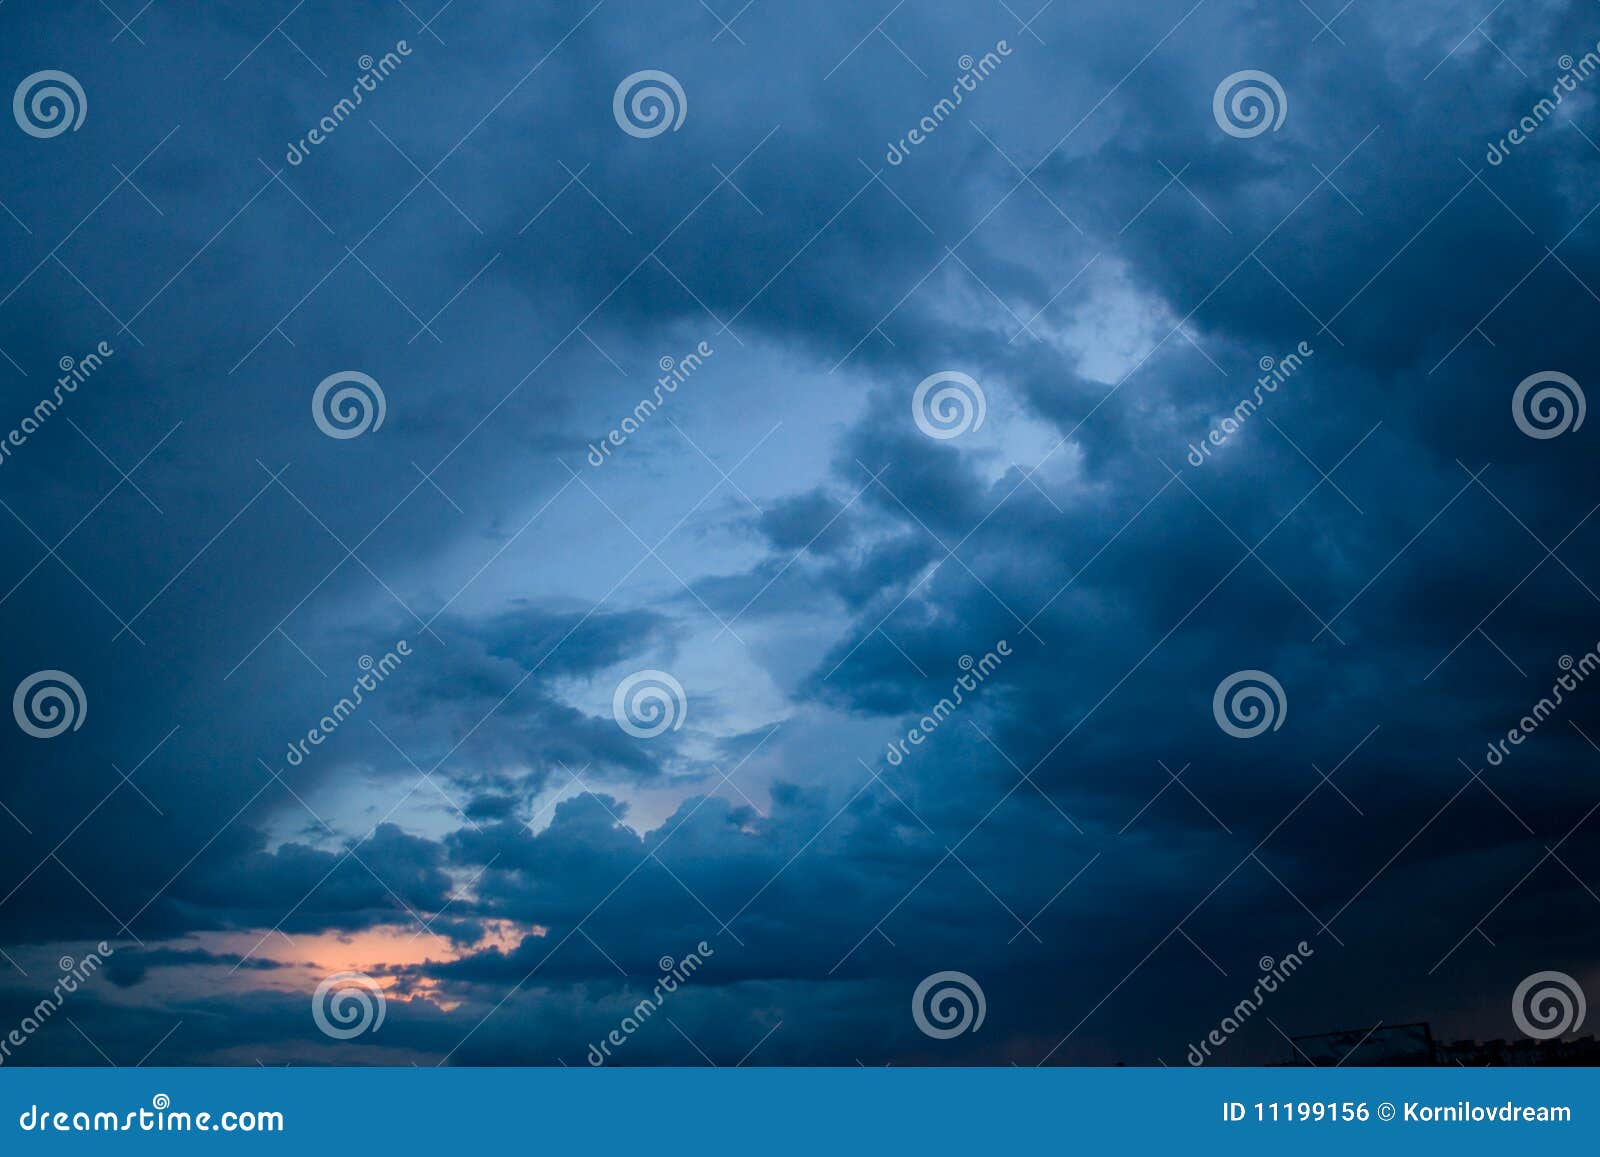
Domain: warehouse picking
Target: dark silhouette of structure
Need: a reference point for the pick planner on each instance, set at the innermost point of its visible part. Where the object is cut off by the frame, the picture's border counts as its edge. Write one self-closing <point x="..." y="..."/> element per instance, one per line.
<point x="1414" y="1045"/>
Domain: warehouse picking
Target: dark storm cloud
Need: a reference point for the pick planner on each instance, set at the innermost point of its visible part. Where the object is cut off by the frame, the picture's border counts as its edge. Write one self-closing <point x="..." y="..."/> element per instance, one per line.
<point x="131" y="965"/>
<point x="1125" y="595"/>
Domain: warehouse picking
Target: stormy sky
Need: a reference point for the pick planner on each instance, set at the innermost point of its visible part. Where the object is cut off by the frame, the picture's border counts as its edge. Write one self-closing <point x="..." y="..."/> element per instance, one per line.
<point x="1094" y="241"/>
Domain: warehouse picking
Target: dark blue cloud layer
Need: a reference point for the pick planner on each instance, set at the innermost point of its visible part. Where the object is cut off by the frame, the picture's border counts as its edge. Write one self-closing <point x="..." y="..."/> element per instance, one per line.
<point x="1081" y="238"/>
